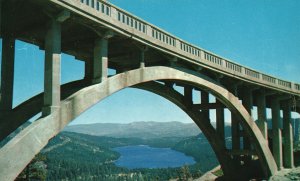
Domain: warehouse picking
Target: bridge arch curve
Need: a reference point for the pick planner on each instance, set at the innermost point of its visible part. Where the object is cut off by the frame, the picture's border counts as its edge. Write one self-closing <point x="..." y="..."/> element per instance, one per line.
<point x="32" y="139"/>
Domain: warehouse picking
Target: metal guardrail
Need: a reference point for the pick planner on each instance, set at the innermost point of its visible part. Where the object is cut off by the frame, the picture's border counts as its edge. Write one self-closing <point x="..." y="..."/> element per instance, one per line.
<point x="171" y="41"/>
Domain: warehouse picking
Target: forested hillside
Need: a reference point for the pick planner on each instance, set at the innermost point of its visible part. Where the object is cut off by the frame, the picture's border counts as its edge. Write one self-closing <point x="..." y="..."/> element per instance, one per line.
<point x="73" y="156"/>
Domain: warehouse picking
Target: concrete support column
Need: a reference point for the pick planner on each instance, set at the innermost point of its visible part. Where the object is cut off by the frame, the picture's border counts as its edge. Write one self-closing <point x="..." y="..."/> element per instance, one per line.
<point x="88" y="70"/>
<point x="277" y="142"/>
<point x="205" y="100"/>
<point x="235" y="126"/>
<point x="220" y="118"/>
<point x="247" y="100"/>
<point x="188" y="95"/>
<point x="262" y="113"/>
<point x="173" y="62"/>
<point x="52" y="68"/>
<point x="235" y="133"/>
<point x="7" y="73"/>
<point x="169" y="85"/>
<point x="296" y="130"/>
<point x="1" y="24"/>
<point x="288" y="161"/>
<point x="142" y="59"/>
<point x="100" y="61"/>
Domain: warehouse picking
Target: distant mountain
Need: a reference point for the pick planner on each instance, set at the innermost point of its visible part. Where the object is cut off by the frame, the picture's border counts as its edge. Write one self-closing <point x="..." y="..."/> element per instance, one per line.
<point x="143" y="130"/>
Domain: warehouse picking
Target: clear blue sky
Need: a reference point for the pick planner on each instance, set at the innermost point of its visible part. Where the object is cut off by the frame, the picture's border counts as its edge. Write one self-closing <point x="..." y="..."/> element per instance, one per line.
<point x="261" y="34"/>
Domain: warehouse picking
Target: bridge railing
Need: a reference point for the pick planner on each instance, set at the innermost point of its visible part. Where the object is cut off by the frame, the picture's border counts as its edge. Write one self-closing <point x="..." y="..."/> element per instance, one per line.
<point x="100" y="6"/>
<point x="252" y="73"/>
<point x="170" y="42"/>
<point x="284" y="83"/>
<point x="212" y="58"/>
<point x="269" y="79"/>
<point x="233" y="66"/>
<point x="131" y="21"/>
<point x="163" y="37"/>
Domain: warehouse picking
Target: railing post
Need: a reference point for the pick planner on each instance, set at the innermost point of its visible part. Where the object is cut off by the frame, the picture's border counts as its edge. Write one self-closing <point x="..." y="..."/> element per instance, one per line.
<point x="277" y="142"/>
<point x="260" y="76"/>
<point x="202" y="56"/>
<point x="243" y="71"/>
<point x="52" y="68"/>
<point x="114" y="13"/>
<point x="148" y="30"/>
<point x="288" y="161"/>
<point x="7" y="73"/>
<point x="223" y="63"/>
<point x="177" y="44"/>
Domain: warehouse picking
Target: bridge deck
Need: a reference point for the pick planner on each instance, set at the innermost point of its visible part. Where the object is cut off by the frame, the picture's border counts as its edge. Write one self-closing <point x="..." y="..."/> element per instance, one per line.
<point x="92" y="18"/>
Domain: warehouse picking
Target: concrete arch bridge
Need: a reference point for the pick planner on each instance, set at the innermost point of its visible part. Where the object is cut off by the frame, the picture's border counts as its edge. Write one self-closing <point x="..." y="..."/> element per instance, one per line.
<point x="144" y="56"/>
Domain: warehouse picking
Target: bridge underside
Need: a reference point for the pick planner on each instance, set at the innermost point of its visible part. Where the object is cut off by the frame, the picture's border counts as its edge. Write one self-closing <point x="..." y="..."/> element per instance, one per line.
<point x="140" y="64"/>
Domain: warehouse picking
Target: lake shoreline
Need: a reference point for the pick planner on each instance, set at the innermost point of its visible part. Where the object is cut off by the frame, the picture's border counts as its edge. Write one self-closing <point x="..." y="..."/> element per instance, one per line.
<point x="145" y="156"/>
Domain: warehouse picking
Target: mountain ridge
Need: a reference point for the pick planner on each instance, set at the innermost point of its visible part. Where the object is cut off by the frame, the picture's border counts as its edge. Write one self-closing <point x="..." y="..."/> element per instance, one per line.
<point x="144" y="130"/>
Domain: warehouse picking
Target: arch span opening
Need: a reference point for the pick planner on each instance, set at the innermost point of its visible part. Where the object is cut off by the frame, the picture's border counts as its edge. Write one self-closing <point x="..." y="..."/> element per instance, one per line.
<point x="86" y="97"/>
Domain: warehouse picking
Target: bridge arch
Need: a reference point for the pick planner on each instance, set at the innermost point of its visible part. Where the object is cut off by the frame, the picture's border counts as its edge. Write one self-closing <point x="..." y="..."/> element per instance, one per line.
<point x="32" y="139"/>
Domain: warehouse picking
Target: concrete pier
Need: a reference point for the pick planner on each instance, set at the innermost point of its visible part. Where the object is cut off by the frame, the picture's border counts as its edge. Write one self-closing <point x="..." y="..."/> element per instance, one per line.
<point x="288" y="161"/>
<point x="220" y="119"/>
<point x="205" y="100"/>
<point x="100" y="61"/>
<point x="7" y="73"/>
<point x="235" y="132"/>
<point x="277" y="139"/>
<point x="52" y="68"/>
<point x="262" y="113"/>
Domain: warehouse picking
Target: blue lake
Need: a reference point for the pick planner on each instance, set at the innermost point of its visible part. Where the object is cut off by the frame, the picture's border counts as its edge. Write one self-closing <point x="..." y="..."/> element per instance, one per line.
<point x="142" y="156"/>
